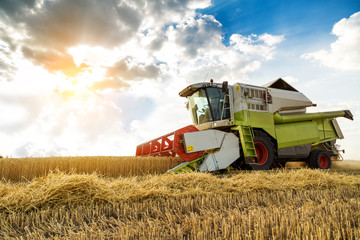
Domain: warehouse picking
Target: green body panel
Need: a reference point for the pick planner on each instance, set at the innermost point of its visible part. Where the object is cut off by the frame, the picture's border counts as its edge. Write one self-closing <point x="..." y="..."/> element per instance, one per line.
<point x="254" y="119"/>
<point x="245" y="121"/>
<point x="309" y="116"/>
<point x="288" y="130"/>
<point x="294" y="134"/>
<point x="307" y="128"/>
<point x="326" y="130"/>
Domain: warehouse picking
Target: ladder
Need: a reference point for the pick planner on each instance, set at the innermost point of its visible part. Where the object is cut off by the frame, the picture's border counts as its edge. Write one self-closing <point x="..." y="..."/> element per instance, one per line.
<point x="247" y="142"/>
<point x="247" y="136"/>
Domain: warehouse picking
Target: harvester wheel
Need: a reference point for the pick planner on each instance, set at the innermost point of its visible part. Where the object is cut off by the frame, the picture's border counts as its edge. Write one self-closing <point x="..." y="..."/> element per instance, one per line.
<point x="264" y="150"/>
<point x="319" y="158"/>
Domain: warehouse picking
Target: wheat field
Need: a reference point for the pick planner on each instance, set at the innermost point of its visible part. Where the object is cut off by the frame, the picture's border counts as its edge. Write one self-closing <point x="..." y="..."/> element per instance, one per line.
<point x="23" y="169"/>
<point x="26" y="169"/>
<point x="276" y="204"/>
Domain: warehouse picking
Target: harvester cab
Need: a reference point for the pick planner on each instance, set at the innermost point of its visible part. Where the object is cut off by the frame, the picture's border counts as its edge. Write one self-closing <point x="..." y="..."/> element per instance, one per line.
<point x="208" y="103"/>
<point x="249" y="127"/>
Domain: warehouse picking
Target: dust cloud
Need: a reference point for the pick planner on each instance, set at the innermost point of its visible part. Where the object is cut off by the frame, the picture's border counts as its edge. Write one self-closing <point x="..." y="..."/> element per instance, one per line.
<point x="346" y="165"/>
<point x="342" y="165"/>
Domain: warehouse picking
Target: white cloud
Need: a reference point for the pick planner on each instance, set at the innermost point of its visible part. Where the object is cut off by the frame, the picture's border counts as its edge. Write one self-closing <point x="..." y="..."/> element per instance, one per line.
<point x="344" y="53"/>
<point x="271" y="40"/>
<point x="197" y="50"/>
<point x="45" y="30"/>
<point x="150" y="52"/>
<point x="262" y="46"/>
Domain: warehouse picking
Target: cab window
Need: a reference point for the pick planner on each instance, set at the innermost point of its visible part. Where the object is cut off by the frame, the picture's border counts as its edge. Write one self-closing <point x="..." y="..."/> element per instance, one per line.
<point x="209" y="104"/>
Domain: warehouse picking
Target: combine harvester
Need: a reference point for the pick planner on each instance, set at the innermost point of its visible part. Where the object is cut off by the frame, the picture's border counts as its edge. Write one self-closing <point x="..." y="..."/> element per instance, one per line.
<point x="249" y="127"/>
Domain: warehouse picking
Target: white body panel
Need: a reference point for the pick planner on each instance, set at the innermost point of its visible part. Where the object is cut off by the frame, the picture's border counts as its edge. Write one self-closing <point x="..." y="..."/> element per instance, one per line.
<point x="282" y="100"/>
<point x="203" y="140"/>
<point x="229" y="153"/>
<point x="228" y="144"/>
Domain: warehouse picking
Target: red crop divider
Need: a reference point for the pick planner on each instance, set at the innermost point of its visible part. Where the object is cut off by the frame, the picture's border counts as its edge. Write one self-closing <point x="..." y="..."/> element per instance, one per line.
<point x="169" y="145"/>
<point x="161" y="146"/>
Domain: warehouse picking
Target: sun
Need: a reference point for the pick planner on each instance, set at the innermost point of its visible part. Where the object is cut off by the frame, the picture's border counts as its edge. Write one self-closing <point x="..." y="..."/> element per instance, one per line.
<point x="80" y="85"/>
<point x="72" y="78"/>
<point x="91" y="62"/>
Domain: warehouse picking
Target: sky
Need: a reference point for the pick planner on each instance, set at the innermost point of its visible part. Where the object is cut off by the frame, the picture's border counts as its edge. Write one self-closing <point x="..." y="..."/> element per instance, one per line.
<point x="90" y="78"/>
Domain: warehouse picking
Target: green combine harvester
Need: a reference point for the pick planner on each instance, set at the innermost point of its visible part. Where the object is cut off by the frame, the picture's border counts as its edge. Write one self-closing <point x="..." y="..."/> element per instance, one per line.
<point x="249" y="127"/>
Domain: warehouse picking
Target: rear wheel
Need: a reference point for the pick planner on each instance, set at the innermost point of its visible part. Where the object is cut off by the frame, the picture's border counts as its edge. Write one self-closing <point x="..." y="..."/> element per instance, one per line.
<point x="319" y="158"/>
<point x="264" y="150"/>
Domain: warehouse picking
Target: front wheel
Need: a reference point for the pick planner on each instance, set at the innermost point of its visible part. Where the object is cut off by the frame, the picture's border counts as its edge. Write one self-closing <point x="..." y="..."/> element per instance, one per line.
<point x="319" y="158"/>
<point x="265" y="152"/>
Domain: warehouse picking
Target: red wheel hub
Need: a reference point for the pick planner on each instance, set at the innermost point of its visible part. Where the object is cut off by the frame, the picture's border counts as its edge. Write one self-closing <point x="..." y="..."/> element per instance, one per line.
<point x="323" y="162"/>
<point x="261" y="153"/>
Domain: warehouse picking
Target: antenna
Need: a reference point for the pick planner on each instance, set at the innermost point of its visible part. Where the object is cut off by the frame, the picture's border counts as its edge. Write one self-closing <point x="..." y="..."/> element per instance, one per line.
<point x="205" y="77"/>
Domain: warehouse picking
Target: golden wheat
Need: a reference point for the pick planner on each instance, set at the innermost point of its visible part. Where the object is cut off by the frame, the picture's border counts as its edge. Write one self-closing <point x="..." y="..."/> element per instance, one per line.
<point x="281" y="204"/>
<point x="20" y="169"/>
<point x="17" y="169"/>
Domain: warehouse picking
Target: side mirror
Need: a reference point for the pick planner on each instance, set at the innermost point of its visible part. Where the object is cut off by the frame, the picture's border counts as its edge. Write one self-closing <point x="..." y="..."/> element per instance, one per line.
<point x="225" y="87"/>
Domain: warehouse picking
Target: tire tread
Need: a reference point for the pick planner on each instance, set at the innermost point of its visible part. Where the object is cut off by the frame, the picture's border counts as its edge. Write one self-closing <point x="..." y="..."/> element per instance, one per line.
<point x="267" y="139"/>
<point x="313" y="159"/>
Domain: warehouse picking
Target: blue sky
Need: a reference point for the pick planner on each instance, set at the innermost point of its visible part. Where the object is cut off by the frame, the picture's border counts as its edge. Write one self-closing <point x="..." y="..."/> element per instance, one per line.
<point x="89" y="77"/>
<point x="296" y="19"/>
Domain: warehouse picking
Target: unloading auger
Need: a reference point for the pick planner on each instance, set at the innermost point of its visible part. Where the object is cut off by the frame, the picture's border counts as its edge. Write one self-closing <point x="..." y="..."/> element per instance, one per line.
<point x="249" y="127"/>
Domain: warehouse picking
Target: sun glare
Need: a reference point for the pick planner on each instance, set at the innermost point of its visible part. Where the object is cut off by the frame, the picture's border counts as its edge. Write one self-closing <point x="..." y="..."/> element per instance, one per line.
<point x="79" y="86"/>
<point x="95" y="58"/>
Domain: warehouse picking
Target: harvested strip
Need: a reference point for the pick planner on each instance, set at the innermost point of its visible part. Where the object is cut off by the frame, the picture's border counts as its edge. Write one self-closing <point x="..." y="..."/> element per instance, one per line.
<point x="59" y="189"/>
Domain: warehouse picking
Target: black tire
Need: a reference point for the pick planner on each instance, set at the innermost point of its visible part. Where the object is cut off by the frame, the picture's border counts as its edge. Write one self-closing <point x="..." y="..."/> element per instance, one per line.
<point x="319" y="158"/>
<point x="265" y="151"/>
<point x="240" y="163"/>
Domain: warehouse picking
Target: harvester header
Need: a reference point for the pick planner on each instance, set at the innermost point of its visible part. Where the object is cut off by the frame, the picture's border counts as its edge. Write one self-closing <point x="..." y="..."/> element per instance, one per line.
<point x="249" y="127"/>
